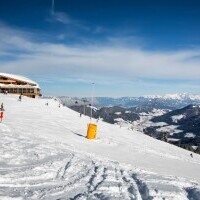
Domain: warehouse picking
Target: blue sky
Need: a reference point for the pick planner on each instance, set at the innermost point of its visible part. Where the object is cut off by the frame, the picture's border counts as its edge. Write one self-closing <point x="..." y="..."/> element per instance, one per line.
<point x="126" y="47"/>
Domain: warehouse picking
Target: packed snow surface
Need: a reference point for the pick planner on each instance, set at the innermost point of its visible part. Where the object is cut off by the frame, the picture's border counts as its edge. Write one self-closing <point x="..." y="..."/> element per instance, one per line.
<point x="44" y="155"/>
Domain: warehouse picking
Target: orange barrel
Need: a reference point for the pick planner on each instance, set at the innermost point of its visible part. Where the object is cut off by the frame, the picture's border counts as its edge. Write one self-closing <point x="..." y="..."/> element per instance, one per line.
<point x="92" y="131"/>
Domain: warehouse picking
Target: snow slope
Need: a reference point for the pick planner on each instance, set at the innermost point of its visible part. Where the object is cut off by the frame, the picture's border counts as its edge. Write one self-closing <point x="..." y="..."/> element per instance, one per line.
<point x="44" y="155"/>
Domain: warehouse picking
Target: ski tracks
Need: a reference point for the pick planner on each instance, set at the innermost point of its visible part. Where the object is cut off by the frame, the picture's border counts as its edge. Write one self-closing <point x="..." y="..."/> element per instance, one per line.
<point x="33" y="169"/>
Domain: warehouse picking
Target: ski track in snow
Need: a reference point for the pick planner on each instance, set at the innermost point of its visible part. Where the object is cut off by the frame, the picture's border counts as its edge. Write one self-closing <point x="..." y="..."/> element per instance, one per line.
<point x="44" y="155"/>
<point x="31" y="168"/>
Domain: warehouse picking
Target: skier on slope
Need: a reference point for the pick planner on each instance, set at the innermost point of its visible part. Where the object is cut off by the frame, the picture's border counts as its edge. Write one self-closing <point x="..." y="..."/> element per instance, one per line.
<point x="2" y="107"/>
<point x="20" y="97"/>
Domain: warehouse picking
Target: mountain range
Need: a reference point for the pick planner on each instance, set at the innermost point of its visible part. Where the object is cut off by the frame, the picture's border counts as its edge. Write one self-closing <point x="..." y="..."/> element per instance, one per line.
<point x="169" y="101"/>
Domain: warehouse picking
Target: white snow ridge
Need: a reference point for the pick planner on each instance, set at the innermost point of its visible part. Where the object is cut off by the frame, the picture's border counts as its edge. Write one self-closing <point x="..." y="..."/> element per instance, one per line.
<point x="44" y="155"/>
<point x="176" y="118"/>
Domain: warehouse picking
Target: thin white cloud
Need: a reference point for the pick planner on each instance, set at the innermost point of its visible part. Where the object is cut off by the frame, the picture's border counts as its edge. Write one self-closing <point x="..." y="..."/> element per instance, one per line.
<point x="64" y="18"/>
<point x="67" y="20"/>
<point x="94" y="61"/>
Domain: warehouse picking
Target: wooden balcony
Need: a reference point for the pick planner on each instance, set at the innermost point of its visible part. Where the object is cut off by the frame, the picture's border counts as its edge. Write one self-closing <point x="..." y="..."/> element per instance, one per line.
<point x="7" y="81"/>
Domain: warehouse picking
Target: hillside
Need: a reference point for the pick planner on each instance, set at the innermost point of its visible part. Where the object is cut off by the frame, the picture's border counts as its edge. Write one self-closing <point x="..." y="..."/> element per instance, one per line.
<point x="108" y="114"/>
<point x="44" y="155"/>
<point x="186" y="123"/>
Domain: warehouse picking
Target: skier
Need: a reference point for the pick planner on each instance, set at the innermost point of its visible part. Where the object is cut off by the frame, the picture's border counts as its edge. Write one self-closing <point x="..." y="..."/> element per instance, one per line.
<point x="20" y="97"/>
<point x="1" y="116"/>
<point x="2" y="107"/>
<point x="191" y="155"/>
<point x="80" y="114"/>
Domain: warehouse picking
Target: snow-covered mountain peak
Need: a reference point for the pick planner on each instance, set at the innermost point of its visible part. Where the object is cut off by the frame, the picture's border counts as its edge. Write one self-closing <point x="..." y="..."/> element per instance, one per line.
<point x="168" y="101"/>
<point x="177" y="96"/>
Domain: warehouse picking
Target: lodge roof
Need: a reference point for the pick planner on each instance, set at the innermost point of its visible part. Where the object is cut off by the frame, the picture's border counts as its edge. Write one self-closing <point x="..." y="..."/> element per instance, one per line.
<point x="20" y="78"/>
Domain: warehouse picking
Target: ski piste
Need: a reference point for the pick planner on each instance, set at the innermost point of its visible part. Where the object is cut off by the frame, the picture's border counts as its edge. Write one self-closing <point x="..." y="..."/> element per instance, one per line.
<point x="44" y="155"/>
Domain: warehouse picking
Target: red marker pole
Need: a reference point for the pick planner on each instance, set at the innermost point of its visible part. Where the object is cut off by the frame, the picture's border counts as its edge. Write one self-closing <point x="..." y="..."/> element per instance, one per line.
<point x="1" y="116"/>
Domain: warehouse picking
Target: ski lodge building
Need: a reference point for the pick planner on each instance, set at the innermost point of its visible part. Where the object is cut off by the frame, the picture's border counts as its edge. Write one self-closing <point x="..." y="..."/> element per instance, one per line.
<point x="15" y="84"/>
